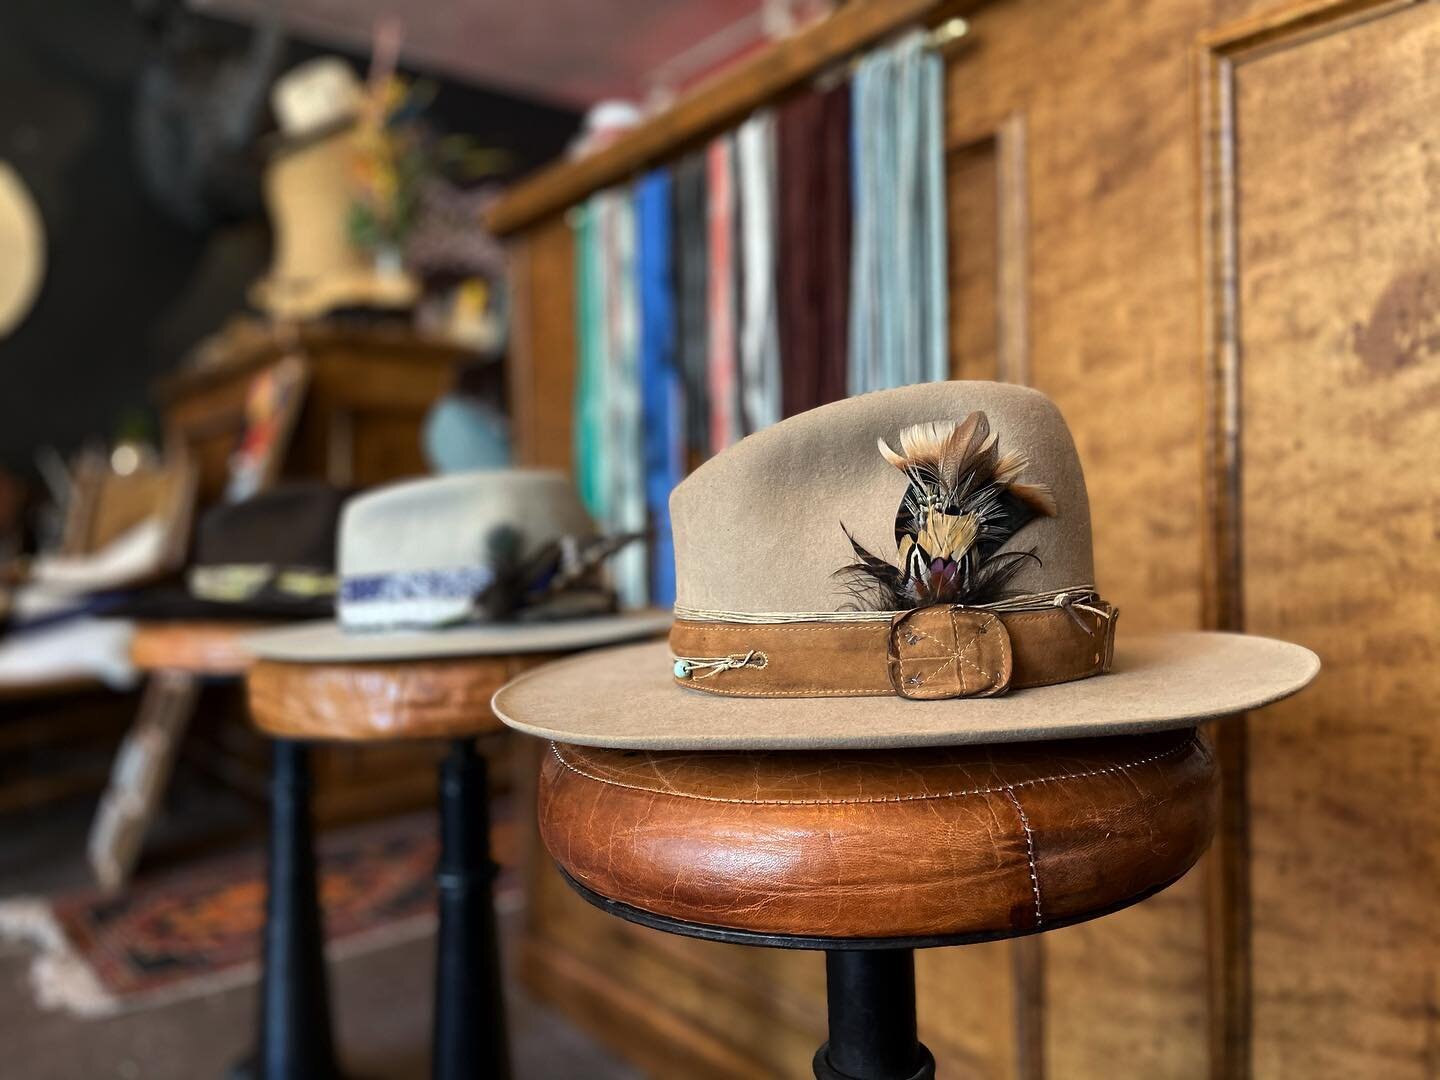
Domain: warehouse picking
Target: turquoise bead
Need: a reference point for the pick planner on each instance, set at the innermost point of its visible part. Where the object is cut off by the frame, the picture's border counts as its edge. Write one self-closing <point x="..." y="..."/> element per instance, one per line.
<point x="682" y="669"/>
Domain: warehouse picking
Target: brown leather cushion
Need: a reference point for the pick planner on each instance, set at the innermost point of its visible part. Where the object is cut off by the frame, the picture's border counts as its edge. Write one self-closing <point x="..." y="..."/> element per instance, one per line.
<point x="198" y="648"/>
<point x="912" y="843"/>
<point x="410" y="699"/>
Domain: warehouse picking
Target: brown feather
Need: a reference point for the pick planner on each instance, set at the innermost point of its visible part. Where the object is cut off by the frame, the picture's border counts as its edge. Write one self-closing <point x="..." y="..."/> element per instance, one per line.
<point x="966" y="439"/>
<point x="1035" y="496"/>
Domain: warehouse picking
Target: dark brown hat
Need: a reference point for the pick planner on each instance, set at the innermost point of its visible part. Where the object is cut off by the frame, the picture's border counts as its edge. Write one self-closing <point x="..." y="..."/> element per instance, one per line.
<point x="271" y="556"/>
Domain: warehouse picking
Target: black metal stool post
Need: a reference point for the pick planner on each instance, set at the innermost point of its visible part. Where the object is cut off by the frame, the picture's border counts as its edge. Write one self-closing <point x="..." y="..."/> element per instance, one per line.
<point x="469" y="1000"/>
<point x="871" y="1002"/>
<point x="296" y="1041"/>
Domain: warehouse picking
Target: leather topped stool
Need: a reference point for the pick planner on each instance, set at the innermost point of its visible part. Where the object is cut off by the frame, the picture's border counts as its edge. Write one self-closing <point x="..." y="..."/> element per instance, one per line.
<point x="868" y="855"/>
<point x="297" y="703"/>
<point x="211" y="650"/>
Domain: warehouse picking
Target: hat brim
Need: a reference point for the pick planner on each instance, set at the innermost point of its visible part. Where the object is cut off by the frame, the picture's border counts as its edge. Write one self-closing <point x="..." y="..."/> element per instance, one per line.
<point x="626" y="698"/>
<point x="176" y="605"/>
<point x="326" y="642"/>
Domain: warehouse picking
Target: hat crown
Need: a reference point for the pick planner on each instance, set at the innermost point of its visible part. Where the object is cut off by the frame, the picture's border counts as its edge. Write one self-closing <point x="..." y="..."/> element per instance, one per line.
<point x="446" y="525"/>
<point x="291" y="525"/>
<point x="315" y="95"/>
<point x="761" y="527"/>
<point x="444" y="521"/>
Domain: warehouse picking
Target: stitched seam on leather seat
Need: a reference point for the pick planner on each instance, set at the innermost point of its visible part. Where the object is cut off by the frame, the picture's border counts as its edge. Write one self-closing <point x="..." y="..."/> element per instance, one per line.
<point x="1029" y="852"/>
<point x="1188" y="744"/>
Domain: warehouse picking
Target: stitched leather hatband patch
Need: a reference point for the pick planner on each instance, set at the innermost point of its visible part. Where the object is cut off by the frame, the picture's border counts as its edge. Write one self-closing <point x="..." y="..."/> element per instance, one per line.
<point x="956" y="652"/>
<point x="946" y="652"/>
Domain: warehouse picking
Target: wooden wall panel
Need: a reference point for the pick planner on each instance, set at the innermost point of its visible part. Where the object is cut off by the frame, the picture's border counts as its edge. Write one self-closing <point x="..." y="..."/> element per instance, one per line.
<point x="1084" y="261"/>
<point x="973" y="191"/>
<point x="1338" y="299"/>
<point x="542" y="352"/>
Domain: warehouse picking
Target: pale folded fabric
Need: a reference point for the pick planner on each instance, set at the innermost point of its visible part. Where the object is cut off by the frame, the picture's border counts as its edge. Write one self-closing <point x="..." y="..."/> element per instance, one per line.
<point x="79" y="648"/>
<point x="898" y="314"/>
<point x="725" y="425"/>
<point x="624" y="431"/>
<point x="136" y="554"/>
<point x="759" y="326"/>
<point x="589" y="428"/>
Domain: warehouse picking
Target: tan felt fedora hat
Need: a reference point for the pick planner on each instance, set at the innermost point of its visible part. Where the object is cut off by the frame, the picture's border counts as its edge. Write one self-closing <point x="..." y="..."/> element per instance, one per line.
<point x="469" y="564"/>
<point x="910" y="567"/>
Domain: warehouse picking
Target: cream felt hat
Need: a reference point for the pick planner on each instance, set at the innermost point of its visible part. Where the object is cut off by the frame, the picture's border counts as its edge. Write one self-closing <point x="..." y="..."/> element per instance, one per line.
<point x="499" y="561"/>
<point x="22" y="250"/>
<point x="910" y="567"/>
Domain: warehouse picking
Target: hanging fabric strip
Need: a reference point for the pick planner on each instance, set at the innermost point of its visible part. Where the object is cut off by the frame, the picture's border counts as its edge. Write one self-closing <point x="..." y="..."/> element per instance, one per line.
<point x="590" y="398"/>
<point x="813" y="175"/>
<point x="625" y="451"/>
<point x="724" y="381"/>
<point x="662" y="393"/>
<point x="759" y="333"/>
<point x="898" y="326"/>
<point x="691" y="250"/>
<point x="864" y="323"/>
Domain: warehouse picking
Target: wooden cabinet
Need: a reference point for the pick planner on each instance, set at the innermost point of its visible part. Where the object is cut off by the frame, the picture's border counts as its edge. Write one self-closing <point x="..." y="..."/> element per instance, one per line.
<point x="368" y="391"/>
<point x="1211" y="232"/>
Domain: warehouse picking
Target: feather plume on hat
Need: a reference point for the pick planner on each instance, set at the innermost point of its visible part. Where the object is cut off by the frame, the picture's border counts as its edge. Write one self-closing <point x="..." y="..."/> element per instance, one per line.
<point x="964" y="503"/>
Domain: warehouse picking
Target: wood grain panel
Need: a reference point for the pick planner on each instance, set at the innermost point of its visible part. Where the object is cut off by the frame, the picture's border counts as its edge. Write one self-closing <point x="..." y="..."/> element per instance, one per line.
<point x="719" y="1011"/>
<point x="1338" y="290"/>
<point x="542" y="352"/>
<point x="972" y="178"/>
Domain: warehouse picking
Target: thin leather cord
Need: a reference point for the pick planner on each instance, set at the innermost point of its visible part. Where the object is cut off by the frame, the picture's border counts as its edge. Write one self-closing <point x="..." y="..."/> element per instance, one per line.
<point x="1072" y="596"/>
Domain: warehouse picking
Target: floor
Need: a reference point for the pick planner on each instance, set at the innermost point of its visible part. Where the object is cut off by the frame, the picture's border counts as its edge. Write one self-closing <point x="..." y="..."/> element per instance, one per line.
<point x="382" y="1001"/>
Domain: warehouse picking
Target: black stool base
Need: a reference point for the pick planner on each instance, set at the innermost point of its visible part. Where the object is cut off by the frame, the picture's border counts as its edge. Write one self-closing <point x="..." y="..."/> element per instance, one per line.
<point x="295" y="1042"/>
<point x="823" y="1071"/>
<point x="469" y="1037"/>
<point x="871" y="1001"/>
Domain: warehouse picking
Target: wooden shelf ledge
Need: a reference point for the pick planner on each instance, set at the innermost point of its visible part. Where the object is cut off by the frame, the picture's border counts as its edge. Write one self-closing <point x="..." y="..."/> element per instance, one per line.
<point x="714" y="105"/>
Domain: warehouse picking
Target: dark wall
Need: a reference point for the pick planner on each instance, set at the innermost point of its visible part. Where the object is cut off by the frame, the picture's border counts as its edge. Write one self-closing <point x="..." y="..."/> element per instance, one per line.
<point x="128" y="288"/>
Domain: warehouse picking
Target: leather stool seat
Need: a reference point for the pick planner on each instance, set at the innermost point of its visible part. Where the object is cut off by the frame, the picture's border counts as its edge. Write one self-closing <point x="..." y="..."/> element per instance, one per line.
<point x="928" y="846"/>
<point x="403" y="699"/>
<point x="193" y="647"/>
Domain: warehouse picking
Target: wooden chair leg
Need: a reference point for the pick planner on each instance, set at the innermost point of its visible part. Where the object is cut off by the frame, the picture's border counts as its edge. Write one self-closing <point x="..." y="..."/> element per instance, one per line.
<point x="296" y="1040"/>
<point x="470" y="1036"/>
<point x="140" y="776"/>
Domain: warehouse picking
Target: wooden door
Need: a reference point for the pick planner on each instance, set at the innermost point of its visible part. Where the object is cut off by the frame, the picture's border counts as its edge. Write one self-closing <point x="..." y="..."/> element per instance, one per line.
<point x="1325" y="198"/>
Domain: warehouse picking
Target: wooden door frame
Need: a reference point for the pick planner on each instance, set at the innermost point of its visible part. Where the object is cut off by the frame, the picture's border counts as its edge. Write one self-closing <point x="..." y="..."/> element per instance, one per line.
<point x="1217" y="56"/>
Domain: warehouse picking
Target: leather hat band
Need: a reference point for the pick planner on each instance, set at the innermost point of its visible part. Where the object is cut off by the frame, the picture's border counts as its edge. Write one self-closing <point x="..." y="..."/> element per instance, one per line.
<point x="944" y="651"/>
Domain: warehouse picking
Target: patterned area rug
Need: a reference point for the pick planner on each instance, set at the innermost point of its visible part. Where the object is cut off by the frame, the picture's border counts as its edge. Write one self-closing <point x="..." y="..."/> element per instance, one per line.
<point x="194" y="930"/>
